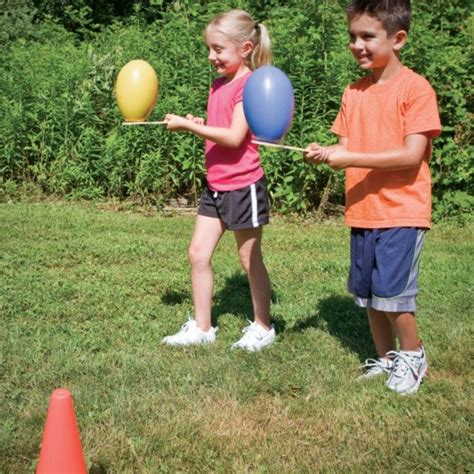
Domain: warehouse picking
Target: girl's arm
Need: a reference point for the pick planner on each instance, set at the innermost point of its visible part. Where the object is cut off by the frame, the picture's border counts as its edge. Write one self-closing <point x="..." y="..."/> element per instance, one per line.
<point x="231" y="137"/>
<point x="409" y="155"/>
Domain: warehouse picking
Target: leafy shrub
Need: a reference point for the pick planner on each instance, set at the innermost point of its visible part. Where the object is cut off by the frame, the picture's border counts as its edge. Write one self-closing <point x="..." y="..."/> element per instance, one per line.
<point x="60" y="126"/>
<point x="457" y="205"/>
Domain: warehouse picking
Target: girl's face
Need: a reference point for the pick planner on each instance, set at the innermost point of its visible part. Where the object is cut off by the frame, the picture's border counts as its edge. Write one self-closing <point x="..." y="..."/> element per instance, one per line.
<point x="370" y="44"/>
<point x="227" y="58"/>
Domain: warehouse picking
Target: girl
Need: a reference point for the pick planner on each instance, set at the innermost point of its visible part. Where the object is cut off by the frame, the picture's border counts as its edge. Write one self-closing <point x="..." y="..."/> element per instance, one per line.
<point x="235" y="197"/>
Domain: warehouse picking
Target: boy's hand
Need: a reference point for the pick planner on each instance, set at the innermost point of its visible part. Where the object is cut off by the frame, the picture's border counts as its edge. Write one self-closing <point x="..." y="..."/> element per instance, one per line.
<point x="316" y="154"/>
<point x="338" y="158"/>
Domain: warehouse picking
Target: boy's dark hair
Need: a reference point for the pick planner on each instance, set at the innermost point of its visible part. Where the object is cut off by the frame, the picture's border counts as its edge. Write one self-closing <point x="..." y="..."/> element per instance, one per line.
<point x="395" y="15"/>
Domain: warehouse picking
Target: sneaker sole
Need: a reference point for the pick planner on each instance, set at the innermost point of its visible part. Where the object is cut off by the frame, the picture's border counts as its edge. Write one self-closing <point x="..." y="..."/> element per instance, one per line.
<point x="183" y="344"/>
<point x="364" y="377"/>
<point x="251" y="348"/>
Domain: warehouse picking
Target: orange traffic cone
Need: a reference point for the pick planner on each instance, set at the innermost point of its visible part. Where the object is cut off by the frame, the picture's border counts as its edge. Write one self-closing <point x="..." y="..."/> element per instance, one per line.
<point x="61" y="451"/>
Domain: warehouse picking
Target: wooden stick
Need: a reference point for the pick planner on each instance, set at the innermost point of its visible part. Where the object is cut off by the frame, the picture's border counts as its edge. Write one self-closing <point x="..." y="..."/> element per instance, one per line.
<point x="145" y="123"/>
<point x="278" y="145"/>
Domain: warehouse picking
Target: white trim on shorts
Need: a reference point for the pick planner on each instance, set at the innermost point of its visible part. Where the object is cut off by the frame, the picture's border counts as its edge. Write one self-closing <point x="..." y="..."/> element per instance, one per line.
<point x="253" y="198"/>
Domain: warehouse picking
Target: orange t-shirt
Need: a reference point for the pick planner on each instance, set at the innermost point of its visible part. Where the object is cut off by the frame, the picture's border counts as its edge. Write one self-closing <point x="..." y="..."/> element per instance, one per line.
<point x="377" y="118"/>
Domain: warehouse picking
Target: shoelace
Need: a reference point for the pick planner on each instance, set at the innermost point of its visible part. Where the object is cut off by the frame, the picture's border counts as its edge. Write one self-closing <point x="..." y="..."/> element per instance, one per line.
<point x="403" y="363"/>
<point x="252" y="328"/>
<point x="371" y="364"/>
<point x="186" y="325"/>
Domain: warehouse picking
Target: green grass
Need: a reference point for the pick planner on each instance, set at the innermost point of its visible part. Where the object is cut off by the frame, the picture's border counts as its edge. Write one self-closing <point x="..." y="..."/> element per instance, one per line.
<point x="86" y="295"/>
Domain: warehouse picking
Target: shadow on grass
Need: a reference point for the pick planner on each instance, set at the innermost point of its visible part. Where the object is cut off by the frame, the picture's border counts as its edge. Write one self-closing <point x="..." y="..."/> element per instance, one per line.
<point x="173" y="298"/>
<point x="346" y="321"/>
<point x="97" y="468"/>
<point x="336" y="314"/>
<point x="341" y="318"/>
<point x="234" y="298"/>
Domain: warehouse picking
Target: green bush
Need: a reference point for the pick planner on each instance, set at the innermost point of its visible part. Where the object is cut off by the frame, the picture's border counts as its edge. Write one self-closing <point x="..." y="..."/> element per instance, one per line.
<point x="457" y="206"/>
<point x="60" y="126"/>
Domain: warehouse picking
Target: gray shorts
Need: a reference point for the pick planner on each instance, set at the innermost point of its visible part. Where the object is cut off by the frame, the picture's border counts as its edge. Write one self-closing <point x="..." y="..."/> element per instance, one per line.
<point x="244" y="208"/>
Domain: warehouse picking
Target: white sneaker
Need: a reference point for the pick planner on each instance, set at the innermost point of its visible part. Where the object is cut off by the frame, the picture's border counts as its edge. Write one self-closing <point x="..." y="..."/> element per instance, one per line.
<point x="409" y="368"/>
<point x="190" y="333"/>
<point x="375" y="367"/>
<point x="255" y="338"/>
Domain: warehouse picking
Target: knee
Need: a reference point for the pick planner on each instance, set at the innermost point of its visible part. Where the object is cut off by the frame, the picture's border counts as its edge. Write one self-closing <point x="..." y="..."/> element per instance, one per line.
<point x="250" y="260"/>
<point x="245" y="262"/>
<point x="197" y="257"/>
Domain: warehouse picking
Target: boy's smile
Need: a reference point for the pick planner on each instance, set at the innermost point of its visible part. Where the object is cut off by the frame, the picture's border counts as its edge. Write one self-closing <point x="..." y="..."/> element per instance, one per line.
<point x="371" y="46"/>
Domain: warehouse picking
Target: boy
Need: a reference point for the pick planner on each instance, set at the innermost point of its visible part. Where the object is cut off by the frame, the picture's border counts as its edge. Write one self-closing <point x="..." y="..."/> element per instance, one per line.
<point x="385" y="126"/>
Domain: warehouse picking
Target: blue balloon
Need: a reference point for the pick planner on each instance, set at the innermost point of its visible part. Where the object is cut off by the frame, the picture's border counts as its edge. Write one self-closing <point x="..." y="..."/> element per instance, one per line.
<point x="268" y="103"/>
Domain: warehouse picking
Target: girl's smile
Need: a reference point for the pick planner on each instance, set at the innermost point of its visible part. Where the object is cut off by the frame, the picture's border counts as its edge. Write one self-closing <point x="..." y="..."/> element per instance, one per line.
<point x="226" y="57"/>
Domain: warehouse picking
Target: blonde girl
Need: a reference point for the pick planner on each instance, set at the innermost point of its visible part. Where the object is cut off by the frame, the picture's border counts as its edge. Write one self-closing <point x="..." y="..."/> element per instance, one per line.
<point x="235" y="197"/>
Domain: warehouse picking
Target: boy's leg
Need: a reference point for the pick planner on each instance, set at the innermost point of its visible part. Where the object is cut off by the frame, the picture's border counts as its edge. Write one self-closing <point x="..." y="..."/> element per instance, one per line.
<point x="395" y="281"/>
<point x="382" y="331"/>
<point x="410" y="363"/>
<point x="249" y="247"/>
<point x="384" y="325"/>
<point x="207" y="233"/>
<point x="406" y="330"/>
<point x="359" y="284"/>
<point x="393" y="288"/>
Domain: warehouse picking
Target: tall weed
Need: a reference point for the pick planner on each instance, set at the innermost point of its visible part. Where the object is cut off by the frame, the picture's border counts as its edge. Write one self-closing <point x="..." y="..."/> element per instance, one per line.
<point x="61" y="128"/>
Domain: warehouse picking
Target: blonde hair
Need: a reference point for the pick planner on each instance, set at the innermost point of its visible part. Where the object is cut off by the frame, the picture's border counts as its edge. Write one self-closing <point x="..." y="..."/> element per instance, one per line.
<point x="239" y="27"/>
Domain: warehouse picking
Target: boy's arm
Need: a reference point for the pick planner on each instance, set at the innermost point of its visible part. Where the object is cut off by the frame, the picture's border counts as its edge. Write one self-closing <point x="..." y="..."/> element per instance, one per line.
<point x="408" y="156"/>
<point x="231" y="137"/>
<point x="318" y="154"/>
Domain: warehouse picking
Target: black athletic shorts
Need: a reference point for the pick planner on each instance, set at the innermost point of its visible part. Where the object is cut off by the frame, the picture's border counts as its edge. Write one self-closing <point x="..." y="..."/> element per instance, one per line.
<point x="243" y="208"/>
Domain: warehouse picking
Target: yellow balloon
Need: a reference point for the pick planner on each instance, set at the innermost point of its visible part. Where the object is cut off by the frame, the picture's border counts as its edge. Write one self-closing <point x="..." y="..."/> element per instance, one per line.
<point x="136" y="90"/>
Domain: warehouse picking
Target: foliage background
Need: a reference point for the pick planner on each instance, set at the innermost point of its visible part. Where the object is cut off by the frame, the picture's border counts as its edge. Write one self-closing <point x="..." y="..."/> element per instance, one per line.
<point x="60" y="129"/>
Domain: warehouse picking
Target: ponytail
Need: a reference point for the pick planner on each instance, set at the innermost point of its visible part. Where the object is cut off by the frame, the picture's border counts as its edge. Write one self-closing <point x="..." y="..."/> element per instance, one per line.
<point x="261" y="54"/>
<point x="239" y="27"/>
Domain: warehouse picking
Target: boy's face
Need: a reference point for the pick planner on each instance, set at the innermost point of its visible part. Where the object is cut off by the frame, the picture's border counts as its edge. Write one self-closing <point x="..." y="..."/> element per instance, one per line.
<point x="370" y="44"/>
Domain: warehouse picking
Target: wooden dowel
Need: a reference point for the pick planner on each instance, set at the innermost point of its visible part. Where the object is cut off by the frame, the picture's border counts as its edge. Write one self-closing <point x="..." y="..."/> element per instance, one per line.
<point x="144" y="123"/>
<point x="278" y="145"/>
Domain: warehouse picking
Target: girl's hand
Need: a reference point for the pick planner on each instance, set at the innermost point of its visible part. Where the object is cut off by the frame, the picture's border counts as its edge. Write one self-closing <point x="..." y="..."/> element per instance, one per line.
<point x="198" y="120"/>
<point x="176" y="123"/>
<point x="316" y="154"/>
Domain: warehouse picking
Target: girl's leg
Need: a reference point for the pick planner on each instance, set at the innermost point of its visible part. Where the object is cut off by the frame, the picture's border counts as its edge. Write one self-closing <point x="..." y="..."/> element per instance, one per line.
<point x="382" y="331"/>
<point x="249" y="247"/>
<point x="207" y="233"/>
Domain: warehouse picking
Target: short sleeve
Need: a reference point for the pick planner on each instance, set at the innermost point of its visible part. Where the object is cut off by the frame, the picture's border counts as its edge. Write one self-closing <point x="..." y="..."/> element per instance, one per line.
<point x="239" y="93"/>
<point x="421" y="113"/>
<point x="339" y="127"/>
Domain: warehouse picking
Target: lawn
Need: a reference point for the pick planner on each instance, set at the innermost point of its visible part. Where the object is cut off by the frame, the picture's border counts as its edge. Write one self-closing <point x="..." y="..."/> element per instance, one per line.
<point x="87" y="294"/>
